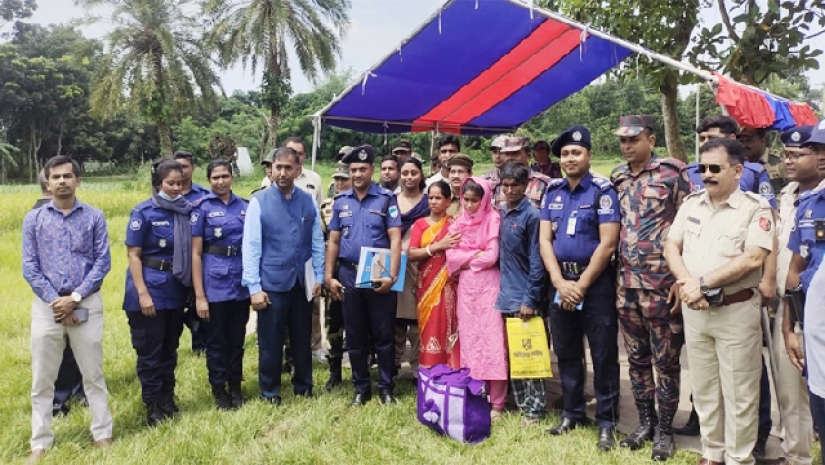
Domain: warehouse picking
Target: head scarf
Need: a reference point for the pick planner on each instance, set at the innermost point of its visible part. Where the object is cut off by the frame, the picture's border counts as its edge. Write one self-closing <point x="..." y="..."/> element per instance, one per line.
<point x="182" y="254"/>
<point x="482" y="226"/>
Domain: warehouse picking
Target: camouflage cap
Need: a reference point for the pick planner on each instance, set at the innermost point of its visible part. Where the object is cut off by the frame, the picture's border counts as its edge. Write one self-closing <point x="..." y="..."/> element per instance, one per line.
<point x="341" y="170"/>
<point x="498" y="142"/>
<point x="632" y="125"/>
<point x="269" y="158"/>
<point x="514" y="144"/>
<point x="401" y="145"/>
<point x="461" y="159"/>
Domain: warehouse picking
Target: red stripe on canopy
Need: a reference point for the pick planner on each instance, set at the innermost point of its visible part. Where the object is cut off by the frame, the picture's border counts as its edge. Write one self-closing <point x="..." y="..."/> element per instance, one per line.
<point x="802" y="114"/>
<point x="537" y="53"/>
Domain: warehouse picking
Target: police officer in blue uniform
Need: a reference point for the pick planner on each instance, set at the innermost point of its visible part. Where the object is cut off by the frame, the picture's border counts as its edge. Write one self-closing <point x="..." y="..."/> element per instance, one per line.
<point x="365" y="216"/>
<point x="807" y="242"/>
<point x="281" y="233"/>
<point x="754" y="177"/>
<point x="222" y="302"/>
<point x="192" y="192"/>
<point x="159" y="244"/>
<point x="578" y="236"/>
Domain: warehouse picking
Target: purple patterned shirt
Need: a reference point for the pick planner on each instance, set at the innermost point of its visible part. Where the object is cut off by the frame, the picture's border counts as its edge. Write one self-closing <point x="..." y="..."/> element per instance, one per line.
<point x="64" y="254"/>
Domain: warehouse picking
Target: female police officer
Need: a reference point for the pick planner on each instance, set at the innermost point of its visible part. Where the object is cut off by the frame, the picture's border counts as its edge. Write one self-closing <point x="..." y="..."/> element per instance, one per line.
<point x="221" y="301"/>
<point x="159" y="243"/>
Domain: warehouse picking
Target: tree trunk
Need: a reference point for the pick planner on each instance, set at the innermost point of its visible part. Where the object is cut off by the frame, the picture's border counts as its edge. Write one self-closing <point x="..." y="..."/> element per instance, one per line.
<point x="165" y="133"/>
<point x="670" y="113"/>
<point x="273" y="124"/>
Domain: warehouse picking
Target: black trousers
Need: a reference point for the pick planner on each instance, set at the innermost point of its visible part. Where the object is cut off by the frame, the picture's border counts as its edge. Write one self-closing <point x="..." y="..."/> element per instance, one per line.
<point x="369" y="320"/>
<point x="598" y="321"/>
<point x="69" y="381"/>
<point x="225" y="332"/>
<point x="288" y="312"/>
<point x="156" y="341"/>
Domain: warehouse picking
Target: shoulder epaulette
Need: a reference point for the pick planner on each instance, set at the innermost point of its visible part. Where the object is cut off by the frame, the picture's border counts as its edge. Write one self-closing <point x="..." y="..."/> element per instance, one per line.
<point x="758" y="198"/>
<point x="755" y="167"/>
<point x="144" y="205"/>
<point x="602" y="183"/>
<point x="672" y="162"/>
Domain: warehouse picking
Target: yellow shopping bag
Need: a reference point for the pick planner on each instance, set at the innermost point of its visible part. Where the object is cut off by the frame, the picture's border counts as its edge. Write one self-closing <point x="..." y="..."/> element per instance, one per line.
<point x="529" y="352"/>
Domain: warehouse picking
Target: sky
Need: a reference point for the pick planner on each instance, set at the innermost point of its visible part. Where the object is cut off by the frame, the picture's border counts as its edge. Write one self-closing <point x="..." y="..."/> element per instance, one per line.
<point x="377" y="27"/>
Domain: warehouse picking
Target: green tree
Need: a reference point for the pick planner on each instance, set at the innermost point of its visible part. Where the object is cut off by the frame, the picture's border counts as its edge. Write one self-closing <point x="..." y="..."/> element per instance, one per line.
<point x="262" y="31"/>
<point x="155" y="63"/>
<point x="14" y="10"/>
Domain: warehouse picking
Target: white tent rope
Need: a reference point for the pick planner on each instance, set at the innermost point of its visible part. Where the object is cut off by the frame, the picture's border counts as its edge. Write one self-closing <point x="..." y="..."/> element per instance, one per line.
<point x="367" y="75"/>
<point x="582" y="42"/>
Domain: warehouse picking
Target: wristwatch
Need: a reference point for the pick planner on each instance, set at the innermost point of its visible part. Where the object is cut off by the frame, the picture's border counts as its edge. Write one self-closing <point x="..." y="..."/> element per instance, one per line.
<point x="76" y="297"/>
<point x="703" y="288"/>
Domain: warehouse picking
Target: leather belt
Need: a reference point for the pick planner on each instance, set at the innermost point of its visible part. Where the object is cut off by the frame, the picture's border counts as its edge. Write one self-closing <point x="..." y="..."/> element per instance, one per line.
<point x="65" y="293"/>
<point x="737" y="297"/>
<point x="223" y="250"/>
<point x="573" y="268"/>
<point x="346" y="264"/>
<point x="156" y="263"/>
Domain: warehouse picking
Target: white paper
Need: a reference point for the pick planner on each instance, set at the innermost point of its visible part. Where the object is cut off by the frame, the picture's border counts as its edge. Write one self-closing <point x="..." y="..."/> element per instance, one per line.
<point x="309" y="279"/>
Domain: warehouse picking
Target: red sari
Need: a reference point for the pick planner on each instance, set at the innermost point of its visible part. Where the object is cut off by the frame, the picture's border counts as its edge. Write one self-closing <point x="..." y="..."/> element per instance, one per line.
<point x="437" y="321"/>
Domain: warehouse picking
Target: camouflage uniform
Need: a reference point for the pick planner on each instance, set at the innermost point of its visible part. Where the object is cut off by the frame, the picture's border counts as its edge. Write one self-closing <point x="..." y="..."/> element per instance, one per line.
<point x="537" y="185"/>
<point x="776" y="170"/>
<point x="649" y="201"/>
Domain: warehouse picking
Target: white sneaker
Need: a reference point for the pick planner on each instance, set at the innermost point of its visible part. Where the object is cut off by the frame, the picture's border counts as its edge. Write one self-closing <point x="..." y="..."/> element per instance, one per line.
<point x="320" y="356"/>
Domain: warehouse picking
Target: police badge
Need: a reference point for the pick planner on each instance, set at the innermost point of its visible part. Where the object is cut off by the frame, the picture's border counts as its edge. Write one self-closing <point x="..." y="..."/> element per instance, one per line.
<point x="218" y="232"/>
<point x="162" y="243"/>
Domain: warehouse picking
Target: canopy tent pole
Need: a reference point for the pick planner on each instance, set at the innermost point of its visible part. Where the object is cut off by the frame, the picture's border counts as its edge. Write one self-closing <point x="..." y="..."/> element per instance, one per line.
<point x="432" y="149"/>
<point x="316" y="136"/>
<point x="698" y="99"/>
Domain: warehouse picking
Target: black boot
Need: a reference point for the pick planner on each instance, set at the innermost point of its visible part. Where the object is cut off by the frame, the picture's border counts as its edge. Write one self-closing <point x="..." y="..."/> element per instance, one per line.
<point x="334" y="374"/>
<point x="664" y="447"/>
<point x="154" y="413"/>
<point x="167" y="405"/>
<point x="647" y="426"/>
<point x="221" y="398"/>
<point x="691" y="428"/>
<point x="235" y="394"/>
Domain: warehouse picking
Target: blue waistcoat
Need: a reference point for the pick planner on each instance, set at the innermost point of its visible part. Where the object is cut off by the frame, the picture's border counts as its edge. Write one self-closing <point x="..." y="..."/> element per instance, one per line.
<point x="286" y="238"/>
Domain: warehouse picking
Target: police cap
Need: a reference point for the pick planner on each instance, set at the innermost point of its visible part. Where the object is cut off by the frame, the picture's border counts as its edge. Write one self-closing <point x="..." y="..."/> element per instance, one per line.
<point x="461" y="159"/>
<point x="796" y="136"/>
<point x="341" y="171"/>
<point x="362" y="154"/>
<point x="269" y="158"/>
<point x="575" y="135"/>
<point x="401" y="145"/>
<point x="817" y="135"/>
<point x="515" y="144"/>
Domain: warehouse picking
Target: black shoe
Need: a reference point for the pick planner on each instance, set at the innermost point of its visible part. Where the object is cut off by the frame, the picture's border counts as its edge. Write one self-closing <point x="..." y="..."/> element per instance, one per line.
<point x="691" y="428"/>
<point x="154" y="413"/>
<point x="385" y="397"/>
<point x="235" y="395"/>
<point x="360" y="399"/>
<point x="607" y="439"/>
<point x="664" y="447"/>
<point x="168" y="406"/>
<point x="222" y="400"/>
<point x="276" y="401"/>
<point x="567" y="425"/>
<point x="60" y="409"/>
<point x="648" y="420"/>
<point x="759" y="449"/>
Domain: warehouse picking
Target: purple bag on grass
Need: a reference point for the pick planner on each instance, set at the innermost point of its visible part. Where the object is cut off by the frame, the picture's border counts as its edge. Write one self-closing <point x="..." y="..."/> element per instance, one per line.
<point x="452" y="403"/>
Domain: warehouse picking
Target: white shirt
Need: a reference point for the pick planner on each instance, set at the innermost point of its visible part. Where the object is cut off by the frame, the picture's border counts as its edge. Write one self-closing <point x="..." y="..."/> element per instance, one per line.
<point x="308" y="181"/>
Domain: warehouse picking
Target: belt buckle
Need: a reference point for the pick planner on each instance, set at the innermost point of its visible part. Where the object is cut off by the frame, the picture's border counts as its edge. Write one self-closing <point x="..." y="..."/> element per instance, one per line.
<point x="230" y="250"/>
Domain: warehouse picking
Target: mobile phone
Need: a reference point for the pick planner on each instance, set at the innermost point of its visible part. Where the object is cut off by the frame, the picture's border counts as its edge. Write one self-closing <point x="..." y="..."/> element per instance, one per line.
<point x="82" y="314"/>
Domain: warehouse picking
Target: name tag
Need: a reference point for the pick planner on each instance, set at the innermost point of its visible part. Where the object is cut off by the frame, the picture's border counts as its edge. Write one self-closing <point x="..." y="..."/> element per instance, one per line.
<point x="582" y="207"/>
<point x="555" y="206"/>
<point x="694" y="220"/>
<point x="377" y="212"/>
<point x="160" y="223"/>
<point x="345" y="214"/>
<point x="214" y="214"/>
<point x="306" y="218"/>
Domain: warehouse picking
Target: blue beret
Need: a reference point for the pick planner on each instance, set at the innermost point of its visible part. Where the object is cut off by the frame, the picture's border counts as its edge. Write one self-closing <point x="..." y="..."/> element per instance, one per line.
<point x="576" y="135"/>
<point x="362" y="154"/>
<point x="796" y="136"/>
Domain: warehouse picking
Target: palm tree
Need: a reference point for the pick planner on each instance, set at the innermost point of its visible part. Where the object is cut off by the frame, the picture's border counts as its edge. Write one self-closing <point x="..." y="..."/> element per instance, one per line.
<point x="154" y="63"/>
<point x="254" y="31"/>
<point x="6" y="158"/>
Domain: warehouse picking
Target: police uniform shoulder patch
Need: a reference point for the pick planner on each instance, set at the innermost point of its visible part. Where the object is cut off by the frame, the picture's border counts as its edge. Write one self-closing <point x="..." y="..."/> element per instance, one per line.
<point x="193" y="218"/>
<point x="135" y="225"/>
<point x="765" y="188"/>
<point x="764" y="223"/>
<point x="393" y="210"/>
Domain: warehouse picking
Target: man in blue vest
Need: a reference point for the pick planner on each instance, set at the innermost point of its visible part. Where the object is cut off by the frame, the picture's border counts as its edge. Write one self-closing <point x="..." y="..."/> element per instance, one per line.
<point x="365" y="216"/>
<point x="282" y="233"/>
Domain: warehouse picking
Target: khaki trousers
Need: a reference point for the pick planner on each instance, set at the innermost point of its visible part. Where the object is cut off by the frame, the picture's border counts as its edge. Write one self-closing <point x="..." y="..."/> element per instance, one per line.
<point x="317" y="340"/>
<point x="794" y="405"/>
<point x="47" y="344"/>
<point x="724" y="348"/>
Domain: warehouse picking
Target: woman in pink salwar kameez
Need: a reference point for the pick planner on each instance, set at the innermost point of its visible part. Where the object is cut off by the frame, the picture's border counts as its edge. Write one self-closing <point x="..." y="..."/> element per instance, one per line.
<point x="480" y="326"/>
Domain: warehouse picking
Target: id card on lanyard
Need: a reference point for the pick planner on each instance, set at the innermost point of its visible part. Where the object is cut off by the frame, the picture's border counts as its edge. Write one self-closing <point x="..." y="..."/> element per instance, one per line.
<point x="571" y="223"/>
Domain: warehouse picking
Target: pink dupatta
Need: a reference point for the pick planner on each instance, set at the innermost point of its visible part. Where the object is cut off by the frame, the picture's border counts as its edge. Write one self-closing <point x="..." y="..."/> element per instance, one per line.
<point x="479" y="233"/>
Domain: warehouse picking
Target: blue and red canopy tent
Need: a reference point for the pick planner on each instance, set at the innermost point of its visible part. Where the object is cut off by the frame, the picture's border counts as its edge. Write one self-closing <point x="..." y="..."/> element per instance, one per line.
<point x="484" y="67"/>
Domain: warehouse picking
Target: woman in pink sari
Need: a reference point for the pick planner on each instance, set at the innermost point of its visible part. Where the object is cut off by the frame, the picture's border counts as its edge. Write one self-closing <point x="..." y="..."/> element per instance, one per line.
<point x="480" y="326"/>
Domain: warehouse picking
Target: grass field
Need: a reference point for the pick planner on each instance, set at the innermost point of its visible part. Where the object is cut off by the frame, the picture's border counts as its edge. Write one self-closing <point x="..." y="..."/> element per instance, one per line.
<point x="322" y="430"/>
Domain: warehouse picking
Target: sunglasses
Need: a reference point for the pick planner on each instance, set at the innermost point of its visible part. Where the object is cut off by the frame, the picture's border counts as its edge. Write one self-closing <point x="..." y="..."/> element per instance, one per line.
<point x="715" y="169"/>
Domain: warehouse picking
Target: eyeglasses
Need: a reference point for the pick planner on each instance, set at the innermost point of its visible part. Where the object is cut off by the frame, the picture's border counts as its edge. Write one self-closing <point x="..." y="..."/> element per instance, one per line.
<point x="715" y="169"/>
<point x="795" y="156"/>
